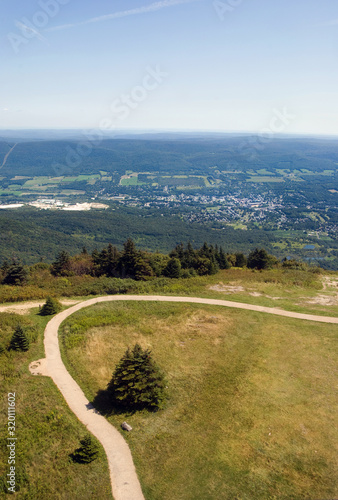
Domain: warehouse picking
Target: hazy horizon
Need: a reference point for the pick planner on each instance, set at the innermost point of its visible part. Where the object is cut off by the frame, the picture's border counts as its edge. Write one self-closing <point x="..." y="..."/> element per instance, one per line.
<point x="222" y="66"/>
<point x="110" y="134"/>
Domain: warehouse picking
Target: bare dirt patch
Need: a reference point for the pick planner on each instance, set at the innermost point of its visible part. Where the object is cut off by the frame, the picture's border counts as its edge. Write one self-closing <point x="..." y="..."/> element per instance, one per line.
<point x="330" y="298"/>
<point x="227" y="289"/>
<point x="39" y="367"/>
<point x="322" y="300"/>
<point x="330" y="282"/>
<point x="24" y="307"/>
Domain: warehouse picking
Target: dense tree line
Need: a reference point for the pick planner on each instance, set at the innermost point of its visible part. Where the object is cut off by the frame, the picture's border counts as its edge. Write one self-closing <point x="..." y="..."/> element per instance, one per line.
<point x="140" y="265"/>
<point x="131" y="263"/>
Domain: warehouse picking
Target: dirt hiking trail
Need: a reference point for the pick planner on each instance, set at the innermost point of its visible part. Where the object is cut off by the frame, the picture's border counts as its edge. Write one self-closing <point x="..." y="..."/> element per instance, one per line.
<point x="124" y="480"/>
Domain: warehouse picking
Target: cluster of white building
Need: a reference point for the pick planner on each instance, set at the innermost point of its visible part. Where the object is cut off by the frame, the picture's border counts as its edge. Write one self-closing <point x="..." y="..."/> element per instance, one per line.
<point x="54" y="204"/>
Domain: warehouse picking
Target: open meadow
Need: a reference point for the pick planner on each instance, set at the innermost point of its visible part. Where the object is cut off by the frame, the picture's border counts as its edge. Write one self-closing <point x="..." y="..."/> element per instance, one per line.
<point x="251" y="398"/>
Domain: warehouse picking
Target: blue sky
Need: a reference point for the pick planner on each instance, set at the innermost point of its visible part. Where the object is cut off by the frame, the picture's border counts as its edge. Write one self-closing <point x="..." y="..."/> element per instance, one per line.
<point x="227" y="65"/>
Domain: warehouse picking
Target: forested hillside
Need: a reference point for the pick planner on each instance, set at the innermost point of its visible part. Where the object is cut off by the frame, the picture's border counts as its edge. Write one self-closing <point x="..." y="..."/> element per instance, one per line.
<point x="32" y="234"/>
<point x="234" y="191"/>
<point x="175" y="156"/>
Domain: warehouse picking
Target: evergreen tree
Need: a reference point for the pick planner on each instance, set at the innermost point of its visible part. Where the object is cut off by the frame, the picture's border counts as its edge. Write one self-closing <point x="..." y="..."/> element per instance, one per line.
<point x="51" y="306"/>
<point x="241" y="260"/>
<point x="19" y="340"/>
<point x="205" y="251"/>
<point x="173" y="268"/>
<point x="96" y="262"/>
<point x="137" y="381"/>
<point x="127" y="262"/>
<point x="260" y="259"/>
<point x="112" y="261"/>
<point x="88" y="452"/>
<point x="142" y="268"/>
<point x="222" y="260"/>
<point x="189" y="256"/>
<point x="15" y="274"/>
<point x="61" y="266"/>
<point x="214" y="267"/>
<point x="178" y="251"/>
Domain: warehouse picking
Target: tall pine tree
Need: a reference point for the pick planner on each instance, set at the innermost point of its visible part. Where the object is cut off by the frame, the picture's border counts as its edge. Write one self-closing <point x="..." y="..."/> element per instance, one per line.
<point x="137" y="381"/>
<point x="15" y="274"/>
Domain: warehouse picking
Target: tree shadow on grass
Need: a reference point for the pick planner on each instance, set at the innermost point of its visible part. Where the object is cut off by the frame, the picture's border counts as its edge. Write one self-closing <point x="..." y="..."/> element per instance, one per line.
<point x="105" y="403"/>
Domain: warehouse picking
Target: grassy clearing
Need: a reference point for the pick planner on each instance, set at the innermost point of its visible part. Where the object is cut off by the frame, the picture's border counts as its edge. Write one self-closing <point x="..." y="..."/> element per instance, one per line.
<point x="290" y="289"/>
<point x="46" y="430"/>
<point x="251" y="407"/>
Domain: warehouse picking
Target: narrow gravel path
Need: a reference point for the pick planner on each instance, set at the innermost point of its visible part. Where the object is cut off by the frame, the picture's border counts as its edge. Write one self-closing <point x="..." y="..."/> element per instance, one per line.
<point x="125" y="484"/>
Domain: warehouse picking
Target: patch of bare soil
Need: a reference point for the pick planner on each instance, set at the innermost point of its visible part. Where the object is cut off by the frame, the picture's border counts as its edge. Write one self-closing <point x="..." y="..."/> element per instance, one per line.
<point x="322" y="300"/>
<point x="24" y="307"/>
<point x="330" y="285"/>
<point x="227" y="289"/>
<point x="39" y="367"/>
<point x="330" y="282"/>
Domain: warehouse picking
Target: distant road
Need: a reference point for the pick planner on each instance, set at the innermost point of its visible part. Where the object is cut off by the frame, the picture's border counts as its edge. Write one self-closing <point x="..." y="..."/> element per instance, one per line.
<point x="7" y="155"/>
<point x="124" y="480"/>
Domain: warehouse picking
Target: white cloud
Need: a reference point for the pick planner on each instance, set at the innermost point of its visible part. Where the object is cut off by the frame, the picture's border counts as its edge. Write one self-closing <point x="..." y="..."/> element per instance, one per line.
<point x="30" y="31"/>
<point x="154" y="7"/>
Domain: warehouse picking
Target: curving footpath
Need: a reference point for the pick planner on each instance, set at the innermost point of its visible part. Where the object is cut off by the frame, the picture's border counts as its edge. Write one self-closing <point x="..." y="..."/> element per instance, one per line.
<point x="124" y="480"/>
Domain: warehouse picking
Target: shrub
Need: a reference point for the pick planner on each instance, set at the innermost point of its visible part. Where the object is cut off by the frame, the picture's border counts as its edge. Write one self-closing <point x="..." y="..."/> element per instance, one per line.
<point x="88" y="452"/>
<point x="51" y="306"/>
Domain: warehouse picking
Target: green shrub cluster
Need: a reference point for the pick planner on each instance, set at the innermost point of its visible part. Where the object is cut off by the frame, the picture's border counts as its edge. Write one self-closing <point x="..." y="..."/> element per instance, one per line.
<point x="51" y="306"/>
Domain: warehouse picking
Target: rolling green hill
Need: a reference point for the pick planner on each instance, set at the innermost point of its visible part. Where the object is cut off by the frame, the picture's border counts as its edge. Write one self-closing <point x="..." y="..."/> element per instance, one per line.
<point x="174" y="156"/>
<point x="32" y="234"/>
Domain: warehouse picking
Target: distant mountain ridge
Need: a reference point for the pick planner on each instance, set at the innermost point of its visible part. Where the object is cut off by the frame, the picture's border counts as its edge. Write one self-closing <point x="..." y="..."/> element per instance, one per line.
<point x="183" y="156"/>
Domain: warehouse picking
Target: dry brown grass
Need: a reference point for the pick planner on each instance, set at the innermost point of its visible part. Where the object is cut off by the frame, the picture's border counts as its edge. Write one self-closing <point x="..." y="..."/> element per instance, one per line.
<point x="252" y="405"/>
<point x="184" y="337"/>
